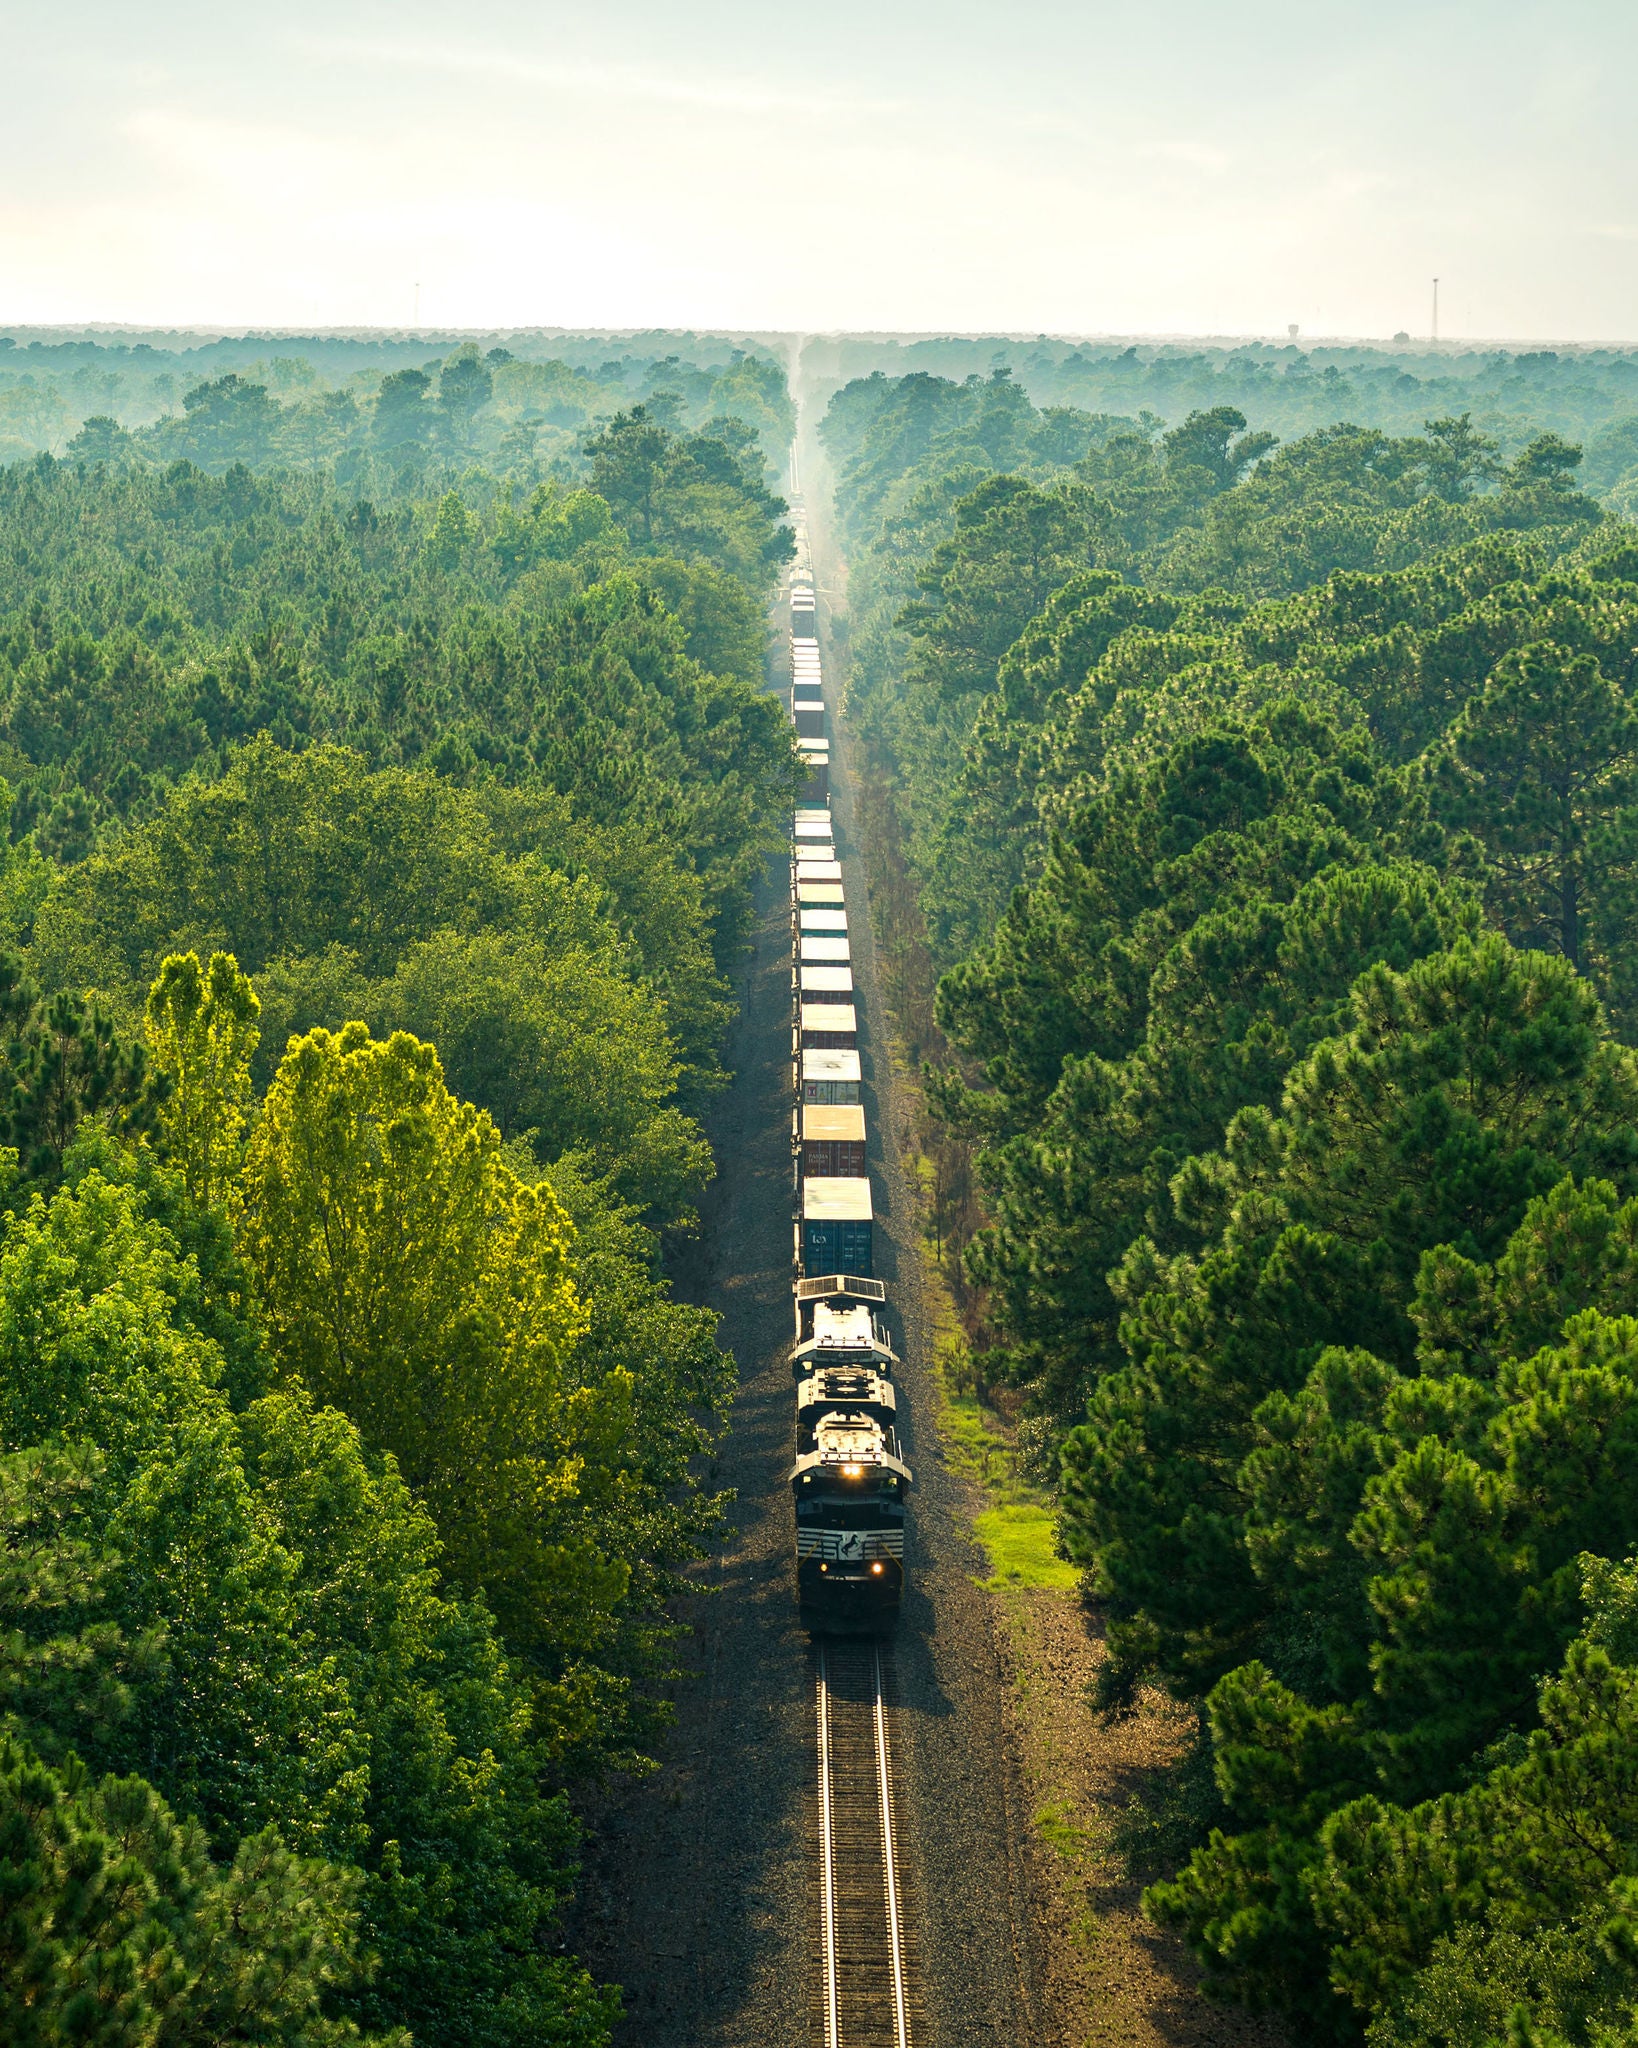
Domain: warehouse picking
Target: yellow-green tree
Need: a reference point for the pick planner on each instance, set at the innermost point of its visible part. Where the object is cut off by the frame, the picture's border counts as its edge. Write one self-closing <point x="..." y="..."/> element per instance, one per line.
<point x="201" y="1030"/>
<point x="410" y="1278"/>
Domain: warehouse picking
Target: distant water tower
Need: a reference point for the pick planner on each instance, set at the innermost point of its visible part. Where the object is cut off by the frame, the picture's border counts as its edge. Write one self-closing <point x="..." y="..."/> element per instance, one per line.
<point x="1291" y="331"/>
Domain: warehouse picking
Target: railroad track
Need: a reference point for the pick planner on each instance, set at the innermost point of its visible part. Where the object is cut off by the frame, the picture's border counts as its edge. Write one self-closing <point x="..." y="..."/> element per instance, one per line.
<point x="865" y="1996"/>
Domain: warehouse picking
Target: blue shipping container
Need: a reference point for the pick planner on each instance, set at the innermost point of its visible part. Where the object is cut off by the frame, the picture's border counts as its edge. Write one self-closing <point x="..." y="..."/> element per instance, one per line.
<point x="838" y="1245"/>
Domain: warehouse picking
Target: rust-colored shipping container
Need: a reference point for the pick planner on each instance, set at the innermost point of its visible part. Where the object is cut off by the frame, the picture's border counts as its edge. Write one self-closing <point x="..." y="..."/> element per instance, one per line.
<point x="832" y="1140"/>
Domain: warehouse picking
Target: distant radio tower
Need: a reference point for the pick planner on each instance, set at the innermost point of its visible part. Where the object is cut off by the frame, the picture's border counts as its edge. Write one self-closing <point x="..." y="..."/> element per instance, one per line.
<point x="417" y="320"/>
<point x="1436" y="309"/>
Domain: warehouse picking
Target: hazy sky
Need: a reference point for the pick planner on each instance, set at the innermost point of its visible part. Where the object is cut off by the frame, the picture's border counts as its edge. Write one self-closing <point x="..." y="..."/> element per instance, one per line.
<point x="1180" y="166"/>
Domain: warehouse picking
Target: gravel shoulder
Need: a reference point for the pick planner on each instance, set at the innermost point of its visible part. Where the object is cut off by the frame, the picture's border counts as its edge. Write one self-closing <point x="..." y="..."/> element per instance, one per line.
<point x="1111" y="1980"/>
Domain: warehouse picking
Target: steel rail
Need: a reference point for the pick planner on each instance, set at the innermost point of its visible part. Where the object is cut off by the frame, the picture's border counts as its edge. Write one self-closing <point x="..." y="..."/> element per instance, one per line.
<point x="890" y="1864"/>
<point x="827" y="1853"/>
<point x="864" y="1989"/>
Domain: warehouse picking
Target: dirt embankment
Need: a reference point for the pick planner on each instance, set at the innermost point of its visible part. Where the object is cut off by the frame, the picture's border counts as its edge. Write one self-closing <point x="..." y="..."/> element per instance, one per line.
<point x="1111" y="1980"/>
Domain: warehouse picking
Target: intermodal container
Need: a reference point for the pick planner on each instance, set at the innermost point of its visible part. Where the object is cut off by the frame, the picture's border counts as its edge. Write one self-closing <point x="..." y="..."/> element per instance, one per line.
<point x="832" y="1140"/>
<point x="837" y="1227"/>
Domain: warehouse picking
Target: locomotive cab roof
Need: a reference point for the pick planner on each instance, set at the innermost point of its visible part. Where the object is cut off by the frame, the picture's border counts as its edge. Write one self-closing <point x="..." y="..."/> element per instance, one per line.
<point x="846" y="1332"/>
<point x="851" y="1450"/>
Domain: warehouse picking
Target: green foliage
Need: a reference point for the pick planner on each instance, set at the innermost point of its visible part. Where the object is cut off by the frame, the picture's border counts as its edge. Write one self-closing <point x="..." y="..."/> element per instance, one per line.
<point x="963" y="720"/>
<point x="246" y="1611"/>
<point x="1541" y="765"/>
<point x="1270" y="809"/>
<point x="118" y="1929"/>
<point x="384" y="895"/>
<point x="1505" y="1909"/>
<point x="63" y="1061"/>
<point x="201" y="1031"/>
<point x="1147" y="832"/>
<point x="687" y="497"/>
<point x="1583" y="394"/>
<point x="347" y="1473"/>
<point x="411" y="1279"/>
<point x="1429" y="1532"/>
<point x="1466" y="1087"/>
<point x="378" y="410"/>
<point x="1193" y="934"/>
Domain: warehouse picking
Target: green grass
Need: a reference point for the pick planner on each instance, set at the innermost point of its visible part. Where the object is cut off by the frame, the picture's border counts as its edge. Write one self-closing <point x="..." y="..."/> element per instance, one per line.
<point x="1017" y="1530"/>
<point x="1019" y="1539"/>
<point x="1058" y="1828"/>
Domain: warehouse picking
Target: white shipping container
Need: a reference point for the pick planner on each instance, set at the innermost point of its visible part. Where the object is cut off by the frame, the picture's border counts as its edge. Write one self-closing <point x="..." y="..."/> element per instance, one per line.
<point x="830" y="1062"/>
<point x="837" y="1017"/>
<point x="842" y="1200"/>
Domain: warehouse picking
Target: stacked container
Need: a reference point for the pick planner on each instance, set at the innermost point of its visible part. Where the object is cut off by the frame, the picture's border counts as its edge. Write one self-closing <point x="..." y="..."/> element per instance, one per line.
<point x="834" y="1210"/>
<point x="850" y="1480"/>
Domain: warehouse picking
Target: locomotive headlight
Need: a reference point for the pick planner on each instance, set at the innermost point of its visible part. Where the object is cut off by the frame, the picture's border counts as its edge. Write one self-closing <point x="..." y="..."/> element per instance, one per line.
<point x="851" y="1471"/>
<point x="876" y="1568"/>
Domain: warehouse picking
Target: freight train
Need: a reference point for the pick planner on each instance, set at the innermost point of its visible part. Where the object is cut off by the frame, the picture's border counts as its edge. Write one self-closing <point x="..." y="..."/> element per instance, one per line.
<point x="850" y="1480"/>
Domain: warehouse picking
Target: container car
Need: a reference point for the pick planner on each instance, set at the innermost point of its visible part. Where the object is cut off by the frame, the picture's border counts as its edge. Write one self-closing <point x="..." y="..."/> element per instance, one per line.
<point x="850" y="1480"/>
<point x="827" y="1027"/>
<point x="828" y="1074"/>
<point x="831" y="1140"/>
<point x="838" y="1222"/>
<point x="824" y="981"/>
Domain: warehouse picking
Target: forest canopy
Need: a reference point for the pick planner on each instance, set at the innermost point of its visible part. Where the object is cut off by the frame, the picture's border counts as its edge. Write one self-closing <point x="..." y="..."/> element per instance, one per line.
<point x="377" y="408"/>
<point x="1263" y="784"/>
<point x="375" y="875"/>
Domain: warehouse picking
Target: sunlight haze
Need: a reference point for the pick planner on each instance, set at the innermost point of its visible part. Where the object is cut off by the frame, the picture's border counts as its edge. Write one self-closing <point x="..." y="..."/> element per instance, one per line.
<point x="1090" y="168"/>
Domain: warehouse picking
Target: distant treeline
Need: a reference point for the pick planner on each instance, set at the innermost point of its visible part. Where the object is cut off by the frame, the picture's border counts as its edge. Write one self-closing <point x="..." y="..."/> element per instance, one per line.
<point x="1588" y="395"/>
<point x="376" y="409"/>
<point x="1273" y="808"/>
